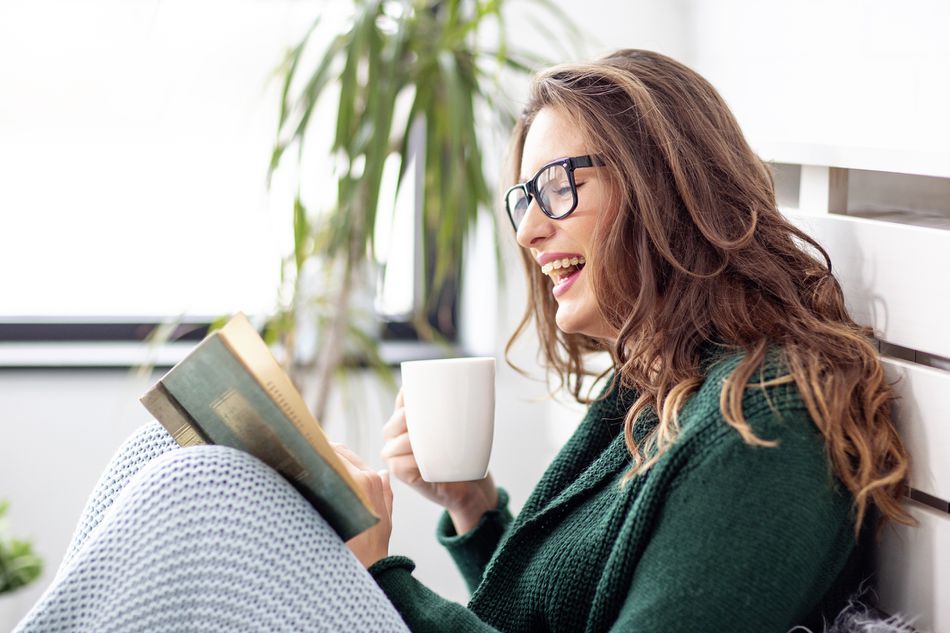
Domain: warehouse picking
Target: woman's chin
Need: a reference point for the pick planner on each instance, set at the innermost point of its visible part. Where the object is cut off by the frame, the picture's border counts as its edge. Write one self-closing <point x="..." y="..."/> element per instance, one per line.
<point x="572" y="319"/>
<point x="566" y="320"/>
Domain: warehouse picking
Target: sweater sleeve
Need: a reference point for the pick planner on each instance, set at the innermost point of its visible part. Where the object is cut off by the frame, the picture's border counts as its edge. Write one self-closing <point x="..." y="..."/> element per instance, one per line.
<point x="472" y="551"/>
<point x="422" y="609"/>
<point x="748" y="540"/>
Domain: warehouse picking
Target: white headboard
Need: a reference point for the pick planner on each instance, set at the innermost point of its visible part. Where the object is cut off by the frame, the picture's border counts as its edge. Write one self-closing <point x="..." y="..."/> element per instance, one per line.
<point x="884" y="218"/>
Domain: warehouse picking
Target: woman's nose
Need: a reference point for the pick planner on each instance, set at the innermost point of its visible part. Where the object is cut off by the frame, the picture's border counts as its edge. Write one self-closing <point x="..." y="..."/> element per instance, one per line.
<point x="535" y="227"/>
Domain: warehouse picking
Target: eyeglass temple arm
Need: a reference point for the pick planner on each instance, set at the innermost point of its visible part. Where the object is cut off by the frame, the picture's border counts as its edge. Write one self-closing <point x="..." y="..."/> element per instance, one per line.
<point x="586" y="161"/>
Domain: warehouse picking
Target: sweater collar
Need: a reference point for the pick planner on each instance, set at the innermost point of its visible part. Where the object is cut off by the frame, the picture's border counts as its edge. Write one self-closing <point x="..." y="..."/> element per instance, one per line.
<point x="597" y="450"/>
<point x="594" y="453"/>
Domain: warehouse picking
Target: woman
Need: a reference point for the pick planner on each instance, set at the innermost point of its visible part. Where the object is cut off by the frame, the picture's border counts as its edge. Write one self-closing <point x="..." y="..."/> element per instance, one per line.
<point x="720" y="481"/>
<point x="696" y="495"/>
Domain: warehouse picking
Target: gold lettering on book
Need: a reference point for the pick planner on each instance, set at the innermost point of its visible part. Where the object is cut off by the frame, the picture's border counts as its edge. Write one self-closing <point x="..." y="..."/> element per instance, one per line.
<point x="187" y="436"/>
<point x="255" y="435"/>
<point x="284" y="404"/>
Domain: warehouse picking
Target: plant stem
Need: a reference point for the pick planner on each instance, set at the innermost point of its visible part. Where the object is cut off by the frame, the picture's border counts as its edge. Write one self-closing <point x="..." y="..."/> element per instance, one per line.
<point x="330" y="357"/>
<point x="331" y="342"/>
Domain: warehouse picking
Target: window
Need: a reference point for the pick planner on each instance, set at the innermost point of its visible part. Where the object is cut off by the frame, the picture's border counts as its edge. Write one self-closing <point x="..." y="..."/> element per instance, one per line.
<point x="134" y="143"/>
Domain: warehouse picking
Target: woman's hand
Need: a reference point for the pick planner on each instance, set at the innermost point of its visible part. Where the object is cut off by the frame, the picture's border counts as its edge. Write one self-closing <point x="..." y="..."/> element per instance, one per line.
<point x="373" y="544"/>
<point x="466" y="501"/>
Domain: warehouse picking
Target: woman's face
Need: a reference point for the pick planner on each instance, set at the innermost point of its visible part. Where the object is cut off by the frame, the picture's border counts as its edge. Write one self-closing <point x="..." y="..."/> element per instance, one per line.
<point x="551" y="136"/>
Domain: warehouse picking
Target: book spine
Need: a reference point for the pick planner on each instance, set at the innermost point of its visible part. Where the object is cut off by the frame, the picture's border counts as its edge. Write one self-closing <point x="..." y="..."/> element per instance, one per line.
<point x="245" y="344"/>
<point x="172" y="416"/>
<point x="232" y="409"/>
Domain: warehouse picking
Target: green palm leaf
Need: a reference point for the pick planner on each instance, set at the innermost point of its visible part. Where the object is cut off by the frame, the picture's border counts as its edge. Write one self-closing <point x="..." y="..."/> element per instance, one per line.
<point x="429" y="55"/>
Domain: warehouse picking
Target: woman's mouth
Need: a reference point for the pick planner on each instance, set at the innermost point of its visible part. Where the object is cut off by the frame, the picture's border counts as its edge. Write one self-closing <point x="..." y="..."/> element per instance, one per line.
<point x="564" y="272"/>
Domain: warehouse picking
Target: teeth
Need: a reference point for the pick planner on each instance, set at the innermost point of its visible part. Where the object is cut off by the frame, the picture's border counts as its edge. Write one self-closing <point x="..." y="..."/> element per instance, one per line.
<point x="566" y="262"/>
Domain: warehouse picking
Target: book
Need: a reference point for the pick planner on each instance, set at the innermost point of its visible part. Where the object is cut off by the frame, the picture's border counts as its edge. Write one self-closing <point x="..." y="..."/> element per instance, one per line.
<point x="230" y="390"/>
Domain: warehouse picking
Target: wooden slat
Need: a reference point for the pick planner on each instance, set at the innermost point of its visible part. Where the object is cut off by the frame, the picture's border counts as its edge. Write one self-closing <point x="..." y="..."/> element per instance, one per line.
<point x="892" y="159"/>
<point x="913" y="565"/>
<point x="922" y="413"/>
<point x="896" y="277"/>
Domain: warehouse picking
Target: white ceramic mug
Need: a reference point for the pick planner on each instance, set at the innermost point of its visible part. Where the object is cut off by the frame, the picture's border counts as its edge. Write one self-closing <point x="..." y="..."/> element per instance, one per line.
<point x="450" y="415"/>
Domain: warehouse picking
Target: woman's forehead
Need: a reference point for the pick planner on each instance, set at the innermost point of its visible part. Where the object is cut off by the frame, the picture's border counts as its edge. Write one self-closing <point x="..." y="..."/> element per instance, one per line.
<point x="552" y="135"/>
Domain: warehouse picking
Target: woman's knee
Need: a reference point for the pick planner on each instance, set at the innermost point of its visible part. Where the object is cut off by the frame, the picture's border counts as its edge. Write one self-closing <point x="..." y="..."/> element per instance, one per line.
<point x="144" y="444"/>
<point x="210" y="474"/>
<point x="217" y="488"/>
<point x="150" y="438"/>
<point x="214" y="507"/>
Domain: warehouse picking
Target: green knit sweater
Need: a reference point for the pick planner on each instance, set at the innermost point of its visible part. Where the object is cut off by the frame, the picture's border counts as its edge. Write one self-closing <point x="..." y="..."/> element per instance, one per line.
<point x="718" y="535"/>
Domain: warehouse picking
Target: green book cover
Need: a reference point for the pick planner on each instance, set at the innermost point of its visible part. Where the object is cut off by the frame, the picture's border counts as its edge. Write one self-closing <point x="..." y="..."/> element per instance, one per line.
<point x="233" y="410"/>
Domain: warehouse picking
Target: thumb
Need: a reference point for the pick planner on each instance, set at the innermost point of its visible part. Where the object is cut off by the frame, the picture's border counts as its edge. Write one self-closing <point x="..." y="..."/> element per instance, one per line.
<point x="387" y="490"/>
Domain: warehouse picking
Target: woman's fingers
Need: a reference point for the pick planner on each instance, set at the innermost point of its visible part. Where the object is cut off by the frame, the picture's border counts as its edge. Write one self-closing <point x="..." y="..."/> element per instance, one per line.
<point x="403" y="465"/>
<point x="375" y="483"/>
<point x="400" y="400"/>
<point x="396" y="425"/>
<point x="352" y="457"/>
<point x="405" y="469"/>
<point x="396" y="446"/>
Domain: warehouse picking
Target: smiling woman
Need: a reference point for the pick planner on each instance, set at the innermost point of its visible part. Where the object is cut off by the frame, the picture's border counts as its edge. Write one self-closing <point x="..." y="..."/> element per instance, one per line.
<point x="688" y="250"/>
<point x="695" y="495"/>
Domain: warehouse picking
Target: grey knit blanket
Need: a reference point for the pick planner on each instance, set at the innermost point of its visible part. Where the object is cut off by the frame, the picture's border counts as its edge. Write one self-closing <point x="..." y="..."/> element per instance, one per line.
<point x="204" y="539"/>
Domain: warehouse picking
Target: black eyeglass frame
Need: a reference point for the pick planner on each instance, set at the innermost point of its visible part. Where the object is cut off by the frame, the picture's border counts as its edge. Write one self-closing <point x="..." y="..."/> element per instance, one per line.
<point x="530" y="187"/>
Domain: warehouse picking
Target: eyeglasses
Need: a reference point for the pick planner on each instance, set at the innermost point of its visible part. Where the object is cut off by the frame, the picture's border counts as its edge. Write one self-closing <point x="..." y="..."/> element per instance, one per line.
<point x="554" y="188"/>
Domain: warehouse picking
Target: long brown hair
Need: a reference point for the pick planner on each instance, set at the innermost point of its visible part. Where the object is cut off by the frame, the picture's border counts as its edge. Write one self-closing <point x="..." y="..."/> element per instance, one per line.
<point x="693" y="222"/>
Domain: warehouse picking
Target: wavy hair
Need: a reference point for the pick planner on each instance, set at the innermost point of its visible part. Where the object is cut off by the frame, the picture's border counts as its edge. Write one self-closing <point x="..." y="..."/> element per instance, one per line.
<point x="692" y="218"/>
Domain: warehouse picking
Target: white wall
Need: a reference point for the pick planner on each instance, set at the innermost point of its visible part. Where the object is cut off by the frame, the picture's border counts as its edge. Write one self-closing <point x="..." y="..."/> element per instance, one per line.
<point x="853" y="73"/>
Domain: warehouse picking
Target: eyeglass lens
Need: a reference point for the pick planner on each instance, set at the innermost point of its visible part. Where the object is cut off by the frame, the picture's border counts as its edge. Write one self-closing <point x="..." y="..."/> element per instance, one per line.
<point x="555" y="194"/>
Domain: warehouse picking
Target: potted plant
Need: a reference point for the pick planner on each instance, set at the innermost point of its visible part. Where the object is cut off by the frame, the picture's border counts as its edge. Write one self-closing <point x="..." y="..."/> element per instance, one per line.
<point x="410" y="79"/>
<point x="19" y="566"/>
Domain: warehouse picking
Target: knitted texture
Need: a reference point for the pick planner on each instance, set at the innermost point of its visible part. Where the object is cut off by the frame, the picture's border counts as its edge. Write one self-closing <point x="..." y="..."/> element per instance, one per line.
<point x="205" y="539"/>
<point x="718" y="535"/>
<point x="472" y="550"/>
<point x="146" y="443"/>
